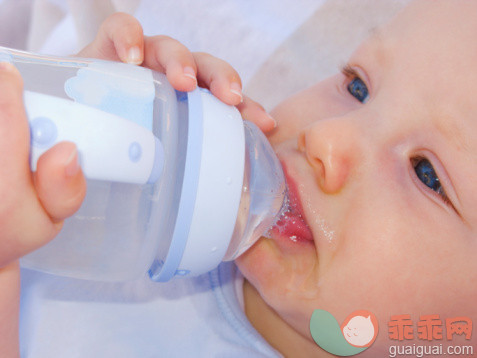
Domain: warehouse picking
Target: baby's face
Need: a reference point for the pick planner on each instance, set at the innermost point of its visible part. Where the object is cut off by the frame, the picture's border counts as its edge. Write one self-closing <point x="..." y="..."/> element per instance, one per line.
<point x="382" y="160"/>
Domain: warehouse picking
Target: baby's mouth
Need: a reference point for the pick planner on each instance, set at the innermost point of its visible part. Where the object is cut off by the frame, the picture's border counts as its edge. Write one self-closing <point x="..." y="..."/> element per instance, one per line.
<point x="291" y="223"/>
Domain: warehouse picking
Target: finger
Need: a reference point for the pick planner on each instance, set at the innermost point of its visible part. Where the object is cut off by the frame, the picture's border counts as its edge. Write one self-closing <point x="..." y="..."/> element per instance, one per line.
<point x="120" y="38"/>
<point x="24" y="225"/>
<point x="220" y="77"/>
<point x="14" y="132"/>
<point x="59" y="181"/>
<point x="9" y="309"/>
<point x="169" y="56"/>
<point x="254" y="112"/>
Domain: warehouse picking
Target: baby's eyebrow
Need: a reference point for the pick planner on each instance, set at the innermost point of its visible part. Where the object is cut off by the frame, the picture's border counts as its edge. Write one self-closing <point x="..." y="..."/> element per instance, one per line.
<point x="449" y="128"/>
<point x="375" y="42"/>
<point x="375" y="33"/>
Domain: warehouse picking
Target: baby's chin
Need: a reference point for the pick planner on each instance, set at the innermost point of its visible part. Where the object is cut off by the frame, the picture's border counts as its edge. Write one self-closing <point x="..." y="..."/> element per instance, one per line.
<point x="279" y="276"/>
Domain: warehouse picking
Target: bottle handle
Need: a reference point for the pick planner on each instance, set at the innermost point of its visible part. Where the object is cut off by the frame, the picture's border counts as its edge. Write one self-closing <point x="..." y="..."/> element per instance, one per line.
<point x="110" y="147"/>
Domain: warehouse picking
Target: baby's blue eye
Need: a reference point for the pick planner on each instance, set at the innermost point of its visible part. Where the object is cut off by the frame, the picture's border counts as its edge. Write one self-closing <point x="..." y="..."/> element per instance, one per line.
<point x="426" y="173"/>
<point x="357" y="88"/>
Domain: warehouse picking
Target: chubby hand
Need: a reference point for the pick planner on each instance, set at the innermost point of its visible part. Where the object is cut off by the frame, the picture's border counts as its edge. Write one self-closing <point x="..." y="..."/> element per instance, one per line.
<point x="121" y="38"/>
<point x="33" y="205"/>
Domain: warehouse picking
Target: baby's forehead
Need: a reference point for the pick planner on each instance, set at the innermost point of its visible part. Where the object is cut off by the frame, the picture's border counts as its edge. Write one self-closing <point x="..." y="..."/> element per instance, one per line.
<point x="437" y="26"/>
<point x="430" y="50"/>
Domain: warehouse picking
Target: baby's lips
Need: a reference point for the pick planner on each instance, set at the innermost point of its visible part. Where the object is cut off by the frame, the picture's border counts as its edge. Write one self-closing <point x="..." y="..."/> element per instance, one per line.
<point x="292" y="223"/>
<point x="294" y="227"/>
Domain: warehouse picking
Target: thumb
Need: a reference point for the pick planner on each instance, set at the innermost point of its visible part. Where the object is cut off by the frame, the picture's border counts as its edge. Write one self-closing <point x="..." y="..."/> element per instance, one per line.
<point x="59" y="181"/>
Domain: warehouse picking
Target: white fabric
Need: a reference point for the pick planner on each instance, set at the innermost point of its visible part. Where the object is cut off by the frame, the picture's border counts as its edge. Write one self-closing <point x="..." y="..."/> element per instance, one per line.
<point x="198" y="317"/>
<point x="223" y="28"/>
<point x="244" y="33"/>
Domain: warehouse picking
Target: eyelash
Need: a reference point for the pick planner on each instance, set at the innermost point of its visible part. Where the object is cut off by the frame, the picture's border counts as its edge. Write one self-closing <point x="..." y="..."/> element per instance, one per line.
<point x="440" y="191"/>
<point x="352" y="75"/>
<point x="348" y="71"/>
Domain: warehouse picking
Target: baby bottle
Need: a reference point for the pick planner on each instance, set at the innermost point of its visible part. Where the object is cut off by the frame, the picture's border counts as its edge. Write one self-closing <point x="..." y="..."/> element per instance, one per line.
<point x="176" y="182"/>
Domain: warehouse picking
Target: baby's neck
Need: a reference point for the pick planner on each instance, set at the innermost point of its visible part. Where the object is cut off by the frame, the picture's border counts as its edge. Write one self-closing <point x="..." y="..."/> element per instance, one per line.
<point x="274" y="329"/>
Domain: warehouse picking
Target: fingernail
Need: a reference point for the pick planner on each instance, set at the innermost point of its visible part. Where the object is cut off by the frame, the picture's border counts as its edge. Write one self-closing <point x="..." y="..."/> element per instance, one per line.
<point x="72" y="164"/>
<point x="134" y="56"/>
<point x="273" y="119"/>
<point x="189" y="72"/>
<point x="237" y="90"/>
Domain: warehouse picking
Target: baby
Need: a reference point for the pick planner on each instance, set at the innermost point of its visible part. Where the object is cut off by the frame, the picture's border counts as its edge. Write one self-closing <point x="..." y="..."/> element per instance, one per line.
<point x="379" y="160"/>
<point x="382" y="160"/>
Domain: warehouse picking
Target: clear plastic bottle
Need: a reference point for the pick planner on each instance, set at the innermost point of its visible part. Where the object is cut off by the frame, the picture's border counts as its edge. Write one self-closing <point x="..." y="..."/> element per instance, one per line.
<point x="176" y="182"/>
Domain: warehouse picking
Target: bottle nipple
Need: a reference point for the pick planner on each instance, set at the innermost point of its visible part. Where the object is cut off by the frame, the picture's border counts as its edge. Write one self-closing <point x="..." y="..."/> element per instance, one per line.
<point x="281" y="216"/>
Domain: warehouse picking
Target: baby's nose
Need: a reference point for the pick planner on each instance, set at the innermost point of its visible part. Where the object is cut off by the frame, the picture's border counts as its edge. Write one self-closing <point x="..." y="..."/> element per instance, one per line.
<point x="332" y="147"/>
